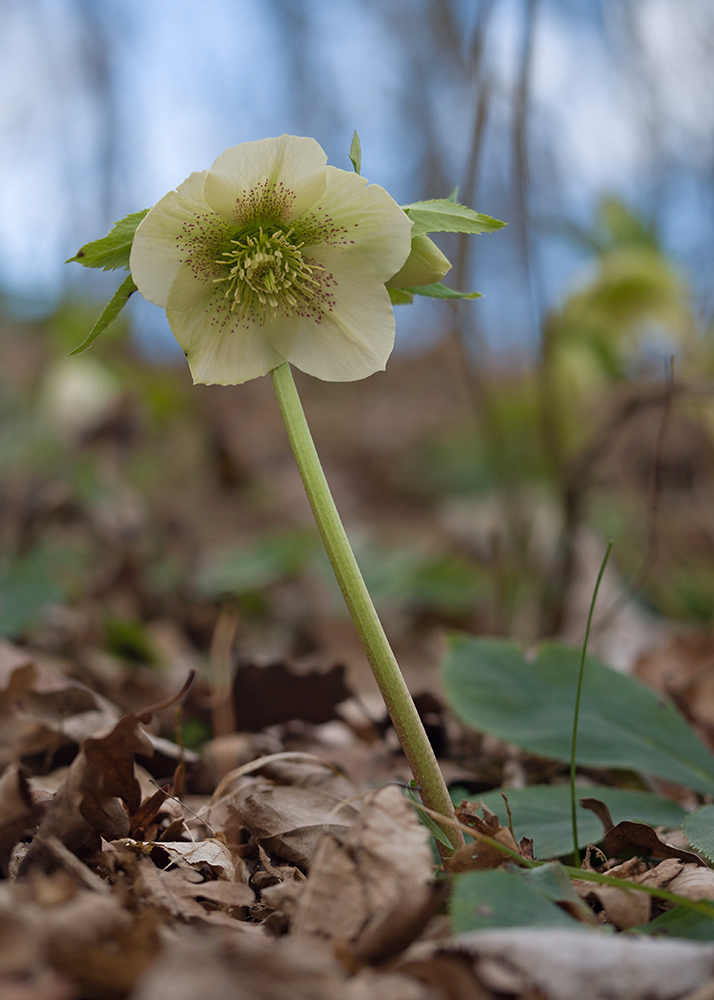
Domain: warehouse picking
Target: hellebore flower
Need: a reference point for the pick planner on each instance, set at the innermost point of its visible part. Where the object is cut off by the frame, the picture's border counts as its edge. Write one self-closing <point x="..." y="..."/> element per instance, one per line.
<point x="270" y="256"/>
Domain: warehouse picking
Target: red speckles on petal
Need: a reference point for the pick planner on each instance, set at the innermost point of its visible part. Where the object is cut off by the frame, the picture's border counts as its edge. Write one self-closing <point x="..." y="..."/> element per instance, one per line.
<point x="315" y="229"/>
<point x="200" y="242"/>
<point x="268" y="202"/>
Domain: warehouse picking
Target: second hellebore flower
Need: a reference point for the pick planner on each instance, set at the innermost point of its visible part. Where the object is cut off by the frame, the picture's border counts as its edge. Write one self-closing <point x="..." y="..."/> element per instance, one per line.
<point x="271" y="255"/>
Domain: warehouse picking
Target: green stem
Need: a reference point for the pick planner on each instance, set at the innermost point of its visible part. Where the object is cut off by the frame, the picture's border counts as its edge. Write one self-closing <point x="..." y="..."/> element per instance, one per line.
<point x="385" y="668"/>
<point x="576" y="715"/>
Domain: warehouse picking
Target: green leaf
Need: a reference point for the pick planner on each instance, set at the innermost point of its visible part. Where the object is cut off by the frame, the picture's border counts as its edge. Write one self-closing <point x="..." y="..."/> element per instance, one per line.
<point x="400" y="296"/>
<point x="542" y="813"/>
<point x="623" y="724"/>
<point x="26" y="588"/>
<point x="679" y="922"/>
<point x="110" y="313"/>
<point x="553" y="882"/>
<point x="356" y="152"/>
<point x="111" y="251"/>
<point x="454" y="194"/>
<point x="277" y="556"/>
<point x="501" y="898"/>
<point x="440" y="291"/>
<point x="431" y="824"/>
<point x="441" y="215"/>
<point x="699" y="830"/>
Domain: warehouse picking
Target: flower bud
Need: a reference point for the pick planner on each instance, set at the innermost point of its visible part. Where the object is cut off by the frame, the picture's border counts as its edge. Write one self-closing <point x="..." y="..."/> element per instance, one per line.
<point x="425" y="265"/>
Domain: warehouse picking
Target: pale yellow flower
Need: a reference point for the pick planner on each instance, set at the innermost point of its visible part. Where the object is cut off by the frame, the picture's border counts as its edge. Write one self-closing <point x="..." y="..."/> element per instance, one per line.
<point x="270" y="256"/>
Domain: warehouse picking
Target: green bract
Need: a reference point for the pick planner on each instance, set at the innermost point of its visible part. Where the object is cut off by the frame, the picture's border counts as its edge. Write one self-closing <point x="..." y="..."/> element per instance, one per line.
<point x="112" y="251"/>
<point x="270" y="256"/>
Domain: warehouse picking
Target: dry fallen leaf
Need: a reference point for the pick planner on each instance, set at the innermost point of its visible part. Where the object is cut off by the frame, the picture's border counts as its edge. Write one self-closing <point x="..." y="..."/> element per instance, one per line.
<point x="371" y="985"/>
<point x="97" y="796"/>
<point x="41" y="709"/>
<point x="627" y="835"/>
<point x="267" y="695"/>
<point x="18" y="811"/>
<point x="383" y="867"/>
<point x="242" y="964"/>
<point x="480" y="854"/>
<point x="90" y="938"/>
<point x="178" y="893"/>
<point x="210" y="853"/>
<point x="286" y="804"/>
<point x="694" y="882"/>
<point x="563" y="964"/>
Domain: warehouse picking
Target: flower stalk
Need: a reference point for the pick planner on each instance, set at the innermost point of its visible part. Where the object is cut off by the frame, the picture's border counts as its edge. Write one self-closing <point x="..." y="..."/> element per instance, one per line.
<point x="385" y="668"/>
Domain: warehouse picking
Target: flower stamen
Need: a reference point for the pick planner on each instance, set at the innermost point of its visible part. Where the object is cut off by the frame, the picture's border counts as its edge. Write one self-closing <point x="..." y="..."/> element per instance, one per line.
<point x="268" y="274"/>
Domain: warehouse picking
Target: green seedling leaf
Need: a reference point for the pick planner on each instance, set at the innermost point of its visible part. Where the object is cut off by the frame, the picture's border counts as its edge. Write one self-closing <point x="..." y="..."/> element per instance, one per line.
<point x="441" y="215"/>
<point x="431" y="824"/>
<point x="276" y="557"/>
<point x="111" y="251"/>
<point x="356" y="152"/>
<point x="699" y="830"/>
<point x="623" y="724"/>
<point x="440" y="291"/>
<point x="542" y="813"/>
<point x="26" y="588"/>
<point x="553" y="882"/>
<point x="679" y="922"/>
<point x="115" y="305"/>
<point x="576" y="712"/>
<point x="502" y="898"/>
<point x="400" y="296"/>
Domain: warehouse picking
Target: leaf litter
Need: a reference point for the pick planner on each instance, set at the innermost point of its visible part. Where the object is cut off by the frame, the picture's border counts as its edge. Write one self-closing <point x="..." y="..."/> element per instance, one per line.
<point x="289" y="879"/>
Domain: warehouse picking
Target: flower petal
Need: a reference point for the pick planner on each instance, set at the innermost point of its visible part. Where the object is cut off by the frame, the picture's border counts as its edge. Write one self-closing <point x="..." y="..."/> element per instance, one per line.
<point x="179" y="230"/>
<point x="349" y="334"/>
<point x="358" y="219"/>
<point x="221" y="348"/>
<point x="270" y="180"/>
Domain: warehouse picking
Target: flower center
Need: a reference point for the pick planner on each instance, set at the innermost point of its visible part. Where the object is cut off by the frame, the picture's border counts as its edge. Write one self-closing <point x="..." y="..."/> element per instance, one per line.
<point x="268" y="275"/>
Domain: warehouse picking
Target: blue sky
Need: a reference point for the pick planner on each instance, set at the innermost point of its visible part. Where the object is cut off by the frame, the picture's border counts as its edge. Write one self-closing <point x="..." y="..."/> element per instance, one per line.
<point x="175" y="82"/>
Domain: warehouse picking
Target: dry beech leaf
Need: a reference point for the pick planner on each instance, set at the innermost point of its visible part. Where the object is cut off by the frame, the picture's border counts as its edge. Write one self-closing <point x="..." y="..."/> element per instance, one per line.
<point x="59" y="920"/>
<point x="41" y="709"/>
<point x="18" y="811"/>
<point x="284" y="896"/>
<point x="211" y="852"/>
<point x="289" y="821"/>
<point x="623" y="908"/>
<point x="286" y="804"/>
<point x="399" y="924"/>
<point x="99" y="793"/>
<point x="645" y="841"/>
<point x="383" y="861"/>
<point x="479" y="854"/>
<point x="694" y="882"/>
<point x="659" y="877"/>
<point x="371" y="985"/>
<point x="42" y="984"/>
<point x="627" y="835"/>
<point x="563" y="964"/>
<point x="267" y="695"/>
<point x="177" y="893"/>
<point x="226" y="966"/>
<point x="451" y="976"/>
